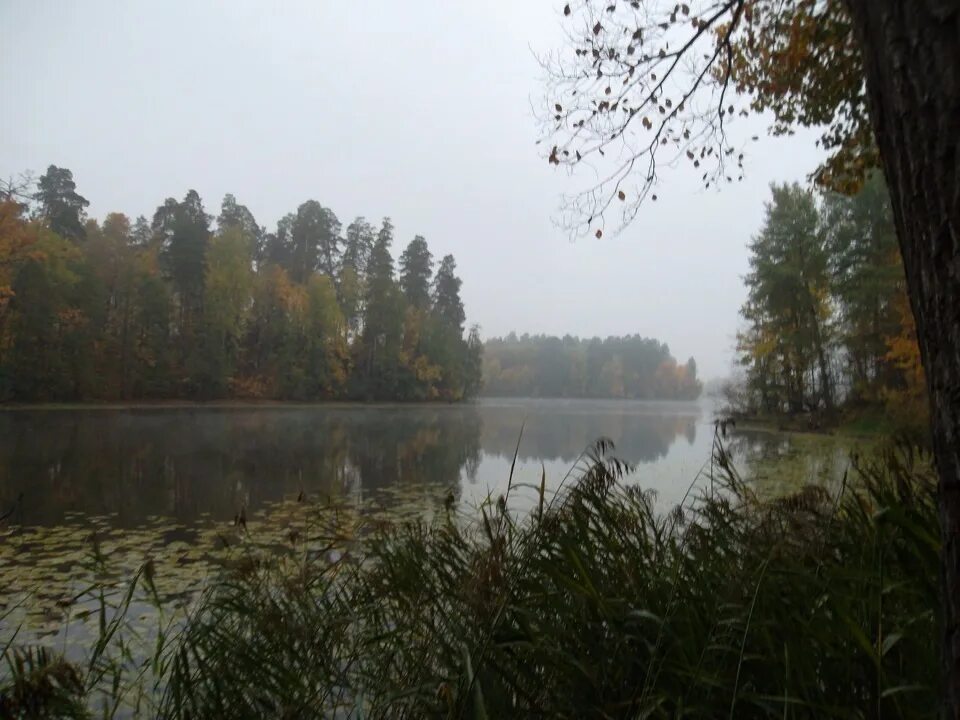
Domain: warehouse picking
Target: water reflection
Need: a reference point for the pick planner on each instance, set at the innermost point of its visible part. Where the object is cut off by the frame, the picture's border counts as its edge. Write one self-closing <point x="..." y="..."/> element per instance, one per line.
<point x="185" y="463"/>
<point x="560" y="430"/>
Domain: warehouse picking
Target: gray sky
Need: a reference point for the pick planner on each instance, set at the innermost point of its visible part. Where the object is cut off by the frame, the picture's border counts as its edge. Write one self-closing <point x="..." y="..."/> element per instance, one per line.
<point x="417" y="110"/>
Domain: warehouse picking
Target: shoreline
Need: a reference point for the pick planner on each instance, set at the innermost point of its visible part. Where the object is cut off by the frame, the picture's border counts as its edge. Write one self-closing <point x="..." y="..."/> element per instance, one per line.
<point x="181" y="404"/>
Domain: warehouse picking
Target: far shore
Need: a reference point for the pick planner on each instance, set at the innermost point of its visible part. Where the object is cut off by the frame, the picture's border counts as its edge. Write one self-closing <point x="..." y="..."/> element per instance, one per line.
<point x="180" y="404"/>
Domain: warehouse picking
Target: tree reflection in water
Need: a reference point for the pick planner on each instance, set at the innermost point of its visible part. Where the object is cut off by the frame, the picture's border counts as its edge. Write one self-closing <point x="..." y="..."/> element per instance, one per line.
<point x="188" y="462"/>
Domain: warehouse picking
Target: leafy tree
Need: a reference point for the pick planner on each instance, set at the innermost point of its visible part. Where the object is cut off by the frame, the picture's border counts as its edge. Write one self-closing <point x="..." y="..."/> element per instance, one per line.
<point x="326" y="354"/>
<point x="668" y="81"/>
<point x="416" y="271"/>
<point x="866" y="272"/>
<point x="42" y="321"/>
<point x="229" y="280"/>
<point x="789" y="281"/>
<point x="111" y="255"/>
<point x="60" y="204"/>
<point x="122" y="315"/>
<point x="17" y="237"/>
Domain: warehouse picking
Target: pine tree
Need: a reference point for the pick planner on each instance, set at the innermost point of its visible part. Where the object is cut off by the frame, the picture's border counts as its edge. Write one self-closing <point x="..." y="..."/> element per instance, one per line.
<point x="416" y="271"/>
<point x="380" y="343"/>
<point x="60" y="204"/>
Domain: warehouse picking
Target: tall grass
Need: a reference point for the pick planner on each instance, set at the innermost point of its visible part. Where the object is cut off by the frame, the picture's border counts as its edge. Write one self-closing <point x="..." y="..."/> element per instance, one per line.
<point x="593" y="605"/>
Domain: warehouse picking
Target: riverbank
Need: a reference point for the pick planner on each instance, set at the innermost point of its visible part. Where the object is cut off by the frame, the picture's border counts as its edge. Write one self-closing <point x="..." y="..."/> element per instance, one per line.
<point x="870" y="422"/>
<point x="227" y="404"/>
<point x="592" y="605"/>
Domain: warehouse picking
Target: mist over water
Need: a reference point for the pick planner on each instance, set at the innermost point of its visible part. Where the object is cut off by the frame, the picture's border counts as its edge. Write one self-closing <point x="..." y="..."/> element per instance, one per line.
<point x="192" y="463"/>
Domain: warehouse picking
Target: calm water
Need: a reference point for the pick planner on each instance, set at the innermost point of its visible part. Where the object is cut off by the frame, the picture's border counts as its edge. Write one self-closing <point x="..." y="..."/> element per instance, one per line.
<point x="188" y="463"/>
<point x="166" y="483"/>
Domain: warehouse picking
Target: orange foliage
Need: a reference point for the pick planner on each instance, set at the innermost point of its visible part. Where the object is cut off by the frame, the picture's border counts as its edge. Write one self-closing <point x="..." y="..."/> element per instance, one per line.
<point x="903" y="352"/>
<point x="16" y="238"/>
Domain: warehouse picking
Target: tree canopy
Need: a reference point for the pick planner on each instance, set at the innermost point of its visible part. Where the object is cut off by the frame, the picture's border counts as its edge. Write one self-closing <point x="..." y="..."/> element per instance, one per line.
<point x="824" y="310"/>
<point x="630" y="367"/>
<point x="645" y="85"/>
<point x="180" y="308"/>
<point x="648" y="83"/>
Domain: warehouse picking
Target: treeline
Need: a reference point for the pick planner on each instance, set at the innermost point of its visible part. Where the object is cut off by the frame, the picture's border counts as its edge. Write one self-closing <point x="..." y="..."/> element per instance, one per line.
<point x="828" y="319"/>
<point x="631" y="367"/>
<point x="180" y="307"/>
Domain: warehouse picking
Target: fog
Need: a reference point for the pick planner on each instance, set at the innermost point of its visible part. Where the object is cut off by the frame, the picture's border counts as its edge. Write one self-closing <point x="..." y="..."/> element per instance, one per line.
<point x="420" y="111"/>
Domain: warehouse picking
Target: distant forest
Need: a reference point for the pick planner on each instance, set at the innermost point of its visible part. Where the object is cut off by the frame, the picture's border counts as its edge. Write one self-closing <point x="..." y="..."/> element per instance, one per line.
<point x="187" y="306"/>
<point x="616" y="367"/>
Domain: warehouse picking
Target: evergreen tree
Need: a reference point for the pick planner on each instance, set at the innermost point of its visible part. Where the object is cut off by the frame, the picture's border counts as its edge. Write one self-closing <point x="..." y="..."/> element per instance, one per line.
<point x="167" y="309"/>
<point x="60" y="204"/>
<point x="234" y="215"/>
<point x="184" y="232"/>
<point x="358" y="243"/>
<point x="142" y="233"/>
<point x="445" y="343"/>
<point x="380" y="343"/>
<point x="416" y="271"/>
<point x="447" y="305"/>
<point x="314" y="242"/>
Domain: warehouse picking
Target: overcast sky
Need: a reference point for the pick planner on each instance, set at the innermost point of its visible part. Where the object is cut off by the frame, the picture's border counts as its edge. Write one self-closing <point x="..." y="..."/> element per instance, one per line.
<point x="419" y="110"/>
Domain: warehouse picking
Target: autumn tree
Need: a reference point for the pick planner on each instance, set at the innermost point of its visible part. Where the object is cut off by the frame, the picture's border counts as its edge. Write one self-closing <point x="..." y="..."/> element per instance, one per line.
<point x="228" y="285"/>
<point x="170" y="310"/>
<point x="644" y="84"/>
<point x="789" y="305"/>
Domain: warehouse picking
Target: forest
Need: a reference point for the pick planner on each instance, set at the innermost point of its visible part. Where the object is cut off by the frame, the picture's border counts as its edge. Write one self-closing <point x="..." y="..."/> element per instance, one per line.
<point x="828" y="321"/>
<point x="183" y="306"/>
<point x="630" y="367"/>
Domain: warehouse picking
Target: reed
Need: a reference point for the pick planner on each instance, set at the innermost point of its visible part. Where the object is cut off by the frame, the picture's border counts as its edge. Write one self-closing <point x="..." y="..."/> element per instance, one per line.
<point x="594" y="604"/>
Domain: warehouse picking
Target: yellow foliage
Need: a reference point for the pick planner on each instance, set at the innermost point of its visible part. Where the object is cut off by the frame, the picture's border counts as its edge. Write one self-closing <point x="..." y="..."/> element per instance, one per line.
<point x="903" y="352"/>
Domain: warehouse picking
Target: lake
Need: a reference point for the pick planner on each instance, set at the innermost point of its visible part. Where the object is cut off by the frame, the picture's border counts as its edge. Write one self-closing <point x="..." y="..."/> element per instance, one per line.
<point x="167" y="482"/>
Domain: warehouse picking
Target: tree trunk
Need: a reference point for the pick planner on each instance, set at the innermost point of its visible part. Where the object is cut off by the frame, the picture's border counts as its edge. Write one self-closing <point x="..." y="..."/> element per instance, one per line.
<point x="911" y="56"/>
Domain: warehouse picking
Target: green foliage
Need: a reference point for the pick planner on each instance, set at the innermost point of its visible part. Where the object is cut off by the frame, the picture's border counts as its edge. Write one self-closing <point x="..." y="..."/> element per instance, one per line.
<point x="416" y="271"/>
<point x="171" y="309"/>
<point x="824" y="319"/>
<point x="866" y="270"/>
<point x="593" y="604"/>
<point x="60" y="204"/>
<point x="788" y="304"/>
<point x="616" y="367"/>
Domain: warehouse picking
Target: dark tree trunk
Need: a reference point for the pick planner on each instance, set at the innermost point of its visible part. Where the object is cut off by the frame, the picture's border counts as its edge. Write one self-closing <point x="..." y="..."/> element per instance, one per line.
<point x="911" y="56"/>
